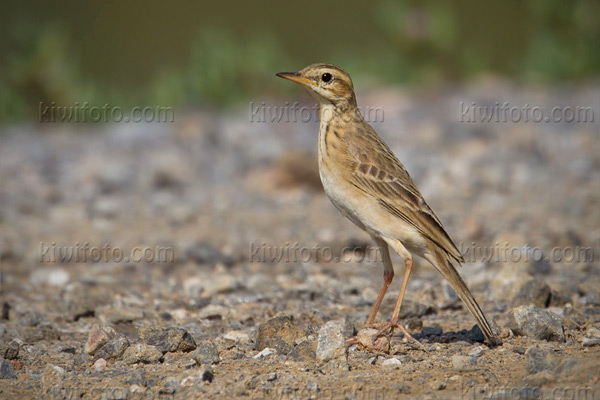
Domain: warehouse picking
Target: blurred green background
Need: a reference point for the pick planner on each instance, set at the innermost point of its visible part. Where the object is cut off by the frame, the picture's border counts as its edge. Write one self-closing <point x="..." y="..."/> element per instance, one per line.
<point x="222" y="53"/>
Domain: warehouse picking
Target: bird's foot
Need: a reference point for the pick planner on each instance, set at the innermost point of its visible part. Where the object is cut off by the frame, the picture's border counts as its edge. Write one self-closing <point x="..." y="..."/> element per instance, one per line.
<point x="390" y="326"/>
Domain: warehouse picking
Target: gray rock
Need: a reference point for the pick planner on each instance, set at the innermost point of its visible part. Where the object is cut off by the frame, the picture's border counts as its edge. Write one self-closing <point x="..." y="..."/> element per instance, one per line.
<point x="540" y="360"/>
<point x="6" y="370"/>
<point x="206" y="353"/>
<point x="11" y="351"/>
<point x="431" y="331"/>
<point x="461" y="362"/>
<point x="304" y="351"/>
<point x="113" y="349"/>
<point x="534" y="322"/>
<point x="99" y="335"/>
<point x="137" y="377"/>
<point x="168" y="339"/>
<point x="332" y="341"/>
<point x="142" y="353"/>
<point x="208" y="374"/>
<point x="279" y="333"/>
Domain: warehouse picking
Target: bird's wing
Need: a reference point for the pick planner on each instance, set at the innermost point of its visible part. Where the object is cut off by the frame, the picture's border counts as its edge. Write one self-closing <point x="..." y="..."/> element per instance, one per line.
<point x="380" y="174"/>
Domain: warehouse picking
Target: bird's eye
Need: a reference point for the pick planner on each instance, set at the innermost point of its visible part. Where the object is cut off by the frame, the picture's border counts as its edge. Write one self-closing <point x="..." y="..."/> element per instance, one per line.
<point x="326" y="77"/>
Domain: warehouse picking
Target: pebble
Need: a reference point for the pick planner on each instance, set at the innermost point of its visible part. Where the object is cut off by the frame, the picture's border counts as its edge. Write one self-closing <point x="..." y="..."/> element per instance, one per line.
<point x="477" y="351"/>
<point x="237" y="337"/>
<point x="536" y="323"/>
<point x="142" y="353"/>
<point x="266" y="352"/>
<point x="113" y="349"/>
<point x="279" y="333"/>
<point x="306" y="350"/>
<point x="331" y="343"/>
<point x="6" y="370"/>
<point x="168" y="339"/>
<point x="98" y="336"/>
<point x="540" y="360"/>
<point x="100" y="364"/>
<point x="206" y="353"/>
<point x="393" y="362"/>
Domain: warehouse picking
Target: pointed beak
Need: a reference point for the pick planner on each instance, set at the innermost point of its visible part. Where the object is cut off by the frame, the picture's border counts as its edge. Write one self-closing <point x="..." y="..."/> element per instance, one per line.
<point x="295" y="77"/>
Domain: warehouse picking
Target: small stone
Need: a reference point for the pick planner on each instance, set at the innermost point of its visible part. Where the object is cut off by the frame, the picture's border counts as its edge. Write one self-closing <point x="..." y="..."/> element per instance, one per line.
<point x="168" y="339"/>
<point x="391" y="362"/>
<point x="279" y="333"/>
<point x="477" y="351"/>
<point x="113" y="349"/>
<point x="369" y="338"/>
<point x="119" y="315"/>
<point x="436" y="385"/>
<point x="540" y="360"/>
<point x="463" y="363"/>
<point x="534" y="322"/>
<point x="137" y="377"/>
<point x="206" y="353"/>
<point x="213" y="311"/>
<point x="237" y="337"/>
<point x="331" y="343"/>
<point x="6" y="370"/>
<point x="208" y="374"/>
<point x="99" y="335"/>
<point x="266" y="352"/>
<point x="431" y="331"/>
<point x="12" y="349"/>
<point x="100" y="364"/>
<point x="588" y="342"/>
<point x="304" y="351"/>
<point x="142" y="353"/>
<point x="170" y="387"/>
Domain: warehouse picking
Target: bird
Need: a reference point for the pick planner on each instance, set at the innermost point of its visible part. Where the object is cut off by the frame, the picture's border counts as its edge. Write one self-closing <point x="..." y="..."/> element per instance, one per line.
<point x="367" y="183"/>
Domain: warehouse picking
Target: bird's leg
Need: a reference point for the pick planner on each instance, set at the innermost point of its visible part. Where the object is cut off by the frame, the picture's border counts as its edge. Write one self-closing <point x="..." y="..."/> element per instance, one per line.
<point x="408" y="261"/>
<point x="388" y="276"/>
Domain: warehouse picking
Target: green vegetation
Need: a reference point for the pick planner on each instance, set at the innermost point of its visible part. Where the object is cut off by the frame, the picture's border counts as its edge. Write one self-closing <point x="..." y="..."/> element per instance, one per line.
<point x="404" y="42"/>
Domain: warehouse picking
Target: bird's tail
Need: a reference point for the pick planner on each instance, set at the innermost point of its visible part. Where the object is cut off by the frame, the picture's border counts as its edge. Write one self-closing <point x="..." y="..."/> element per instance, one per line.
<point x="448" y="271"/>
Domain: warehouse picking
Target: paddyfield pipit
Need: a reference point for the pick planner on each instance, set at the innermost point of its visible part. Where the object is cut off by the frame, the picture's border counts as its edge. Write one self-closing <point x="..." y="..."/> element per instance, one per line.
<point x="369" y="185"/>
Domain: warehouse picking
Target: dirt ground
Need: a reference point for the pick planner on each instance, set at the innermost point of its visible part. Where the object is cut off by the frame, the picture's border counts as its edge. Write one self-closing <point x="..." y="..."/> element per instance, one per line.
<point x="213" y="266"/>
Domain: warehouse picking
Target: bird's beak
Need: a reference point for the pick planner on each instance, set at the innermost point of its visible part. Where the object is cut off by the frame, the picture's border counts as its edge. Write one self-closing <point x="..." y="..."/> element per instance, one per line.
<point x="295" y="77"/>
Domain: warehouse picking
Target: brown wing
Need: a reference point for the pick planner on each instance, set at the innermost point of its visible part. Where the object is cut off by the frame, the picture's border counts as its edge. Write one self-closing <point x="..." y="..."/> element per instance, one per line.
<point x="381" y="175"/>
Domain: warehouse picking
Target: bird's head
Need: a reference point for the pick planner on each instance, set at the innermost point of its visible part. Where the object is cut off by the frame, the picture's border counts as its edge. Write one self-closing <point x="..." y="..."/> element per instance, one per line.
<point x="327" y="83"/>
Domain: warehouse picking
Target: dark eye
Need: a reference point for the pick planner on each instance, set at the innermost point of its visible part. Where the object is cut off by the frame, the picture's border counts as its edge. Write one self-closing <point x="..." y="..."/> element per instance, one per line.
<point x="326" y="77"/>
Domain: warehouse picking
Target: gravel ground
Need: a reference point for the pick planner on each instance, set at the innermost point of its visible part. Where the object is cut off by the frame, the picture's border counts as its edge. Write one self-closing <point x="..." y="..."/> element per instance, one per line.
<point x="200" y="259"/>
